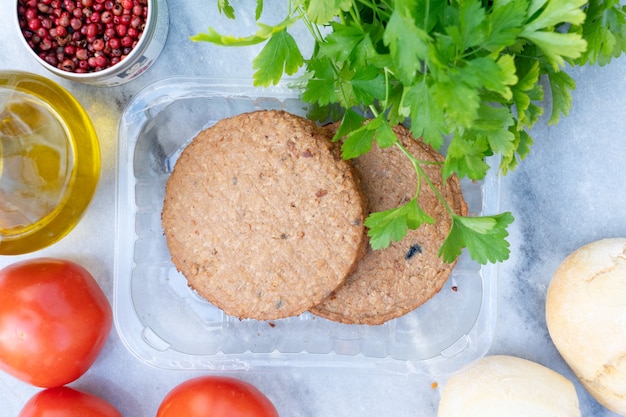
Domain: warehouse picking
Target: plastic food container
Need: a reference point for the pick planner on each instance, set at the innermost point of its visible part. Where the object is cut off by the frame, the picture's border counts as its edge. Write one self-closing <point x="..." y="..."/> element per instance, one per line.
<point x="49" y="162"/>
<point x="166" y="324"/>
<point x="141" y="57"/>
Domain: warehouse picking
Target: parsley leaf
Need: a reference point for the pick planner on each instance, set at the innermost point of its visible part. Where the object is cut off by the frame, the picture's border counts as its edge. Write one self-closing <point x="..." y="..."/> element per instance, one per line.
<point x="526" y="93"/>
<point x="466" y="156"/>
<point x="427" y="117"/>
<point x="555" y="12"/>
<point x="259" y="9"/>
<point x="323" y="11"/>
<point x="408" y="44"/>
<point x="320" y="87"/>
<point x="484" y="237"/>
<point x="225" y="8"/>
<point x="522" y="143"/>
<point x="385" y="136"/>
<point x="561" y="85"/>
<point x="363" y="87"/>
<point x="493" y="123"/>
<point x="470" y="28"/>
<point x="217" y="38"/>
<point x="392" y="225"/>
<point x="279" y="55"/>
<point x="342" y="44"/>
<point x="358" y="142"/>
<point x="604" y="30"/>
<point x="457" y="93"/>
<point x="505" y="24"/>
<point x="556" y="45"/>
<point x="351" y="121"/>
<point x="495" y="75"/>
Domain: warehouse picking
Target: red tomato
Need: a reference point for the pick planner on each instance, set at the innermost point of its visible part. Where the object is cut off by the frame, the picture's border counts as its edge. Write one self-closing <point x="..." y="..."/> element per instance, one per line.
<point x="216" y="396"/>
<point x="67" y="402"/>
<point x="54" y="321"/>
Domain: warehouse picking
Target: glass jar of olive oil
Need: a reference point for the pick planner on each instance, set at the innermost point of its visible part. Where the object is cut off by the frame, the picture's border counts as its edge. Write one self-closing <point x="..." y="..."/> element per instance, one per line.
<point x="49" y="162"/>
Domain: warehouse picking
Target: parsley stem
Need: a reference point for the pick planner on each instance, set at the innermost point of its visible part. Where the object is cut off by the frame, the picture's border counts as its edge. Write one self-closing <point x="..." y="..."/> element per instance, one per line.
<point x="422" y="175"/>
<point x="418" y="170"/>
<point x="356" y="17"/>
<point x="313" y="29"/>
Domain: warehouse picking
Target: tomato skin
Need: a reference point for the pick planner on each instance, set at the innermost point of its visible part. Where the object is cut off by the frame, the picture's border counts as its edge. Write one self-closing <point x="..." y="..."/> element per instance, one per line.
<point x="216" y="396"/>
<point x="54" y="321"/>
<point x="67" y="402"/>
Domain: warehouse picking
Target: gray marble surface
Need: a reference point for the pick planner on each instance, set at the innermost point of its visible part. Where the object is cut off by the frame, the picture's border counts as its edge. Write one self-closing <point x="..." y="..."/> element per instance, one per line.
<point x="568" y="192"/>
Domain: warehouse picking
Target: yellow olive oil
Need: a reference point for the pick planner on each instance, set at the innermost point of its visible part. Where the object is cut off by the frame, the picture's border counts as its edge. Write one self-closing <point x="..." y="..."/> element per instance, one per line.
<point x="37" y="162"/>
<point x="49" y="162"/>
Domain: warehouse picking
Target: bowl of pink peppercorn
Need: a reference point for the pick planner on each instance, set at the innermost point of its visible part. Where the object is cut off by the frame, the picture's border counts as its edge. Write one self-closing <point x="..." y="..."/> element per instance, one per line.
<point x="99" y="42"/>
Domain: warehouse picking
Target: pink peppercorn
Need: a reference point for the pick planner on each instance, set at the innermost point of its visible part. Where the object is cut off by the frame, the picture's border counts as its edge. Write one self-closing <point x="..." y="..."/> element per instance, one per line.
<point x="114" y="43"/>
<point x="61" y="31"/>
<point x="34" y="24"/>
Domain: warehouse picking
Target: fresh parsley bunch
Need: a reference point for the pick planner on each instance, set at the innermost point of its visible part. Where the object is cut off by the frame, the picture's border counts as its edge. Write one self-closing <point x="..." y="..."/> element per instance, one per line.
<point x="471" y="73"/>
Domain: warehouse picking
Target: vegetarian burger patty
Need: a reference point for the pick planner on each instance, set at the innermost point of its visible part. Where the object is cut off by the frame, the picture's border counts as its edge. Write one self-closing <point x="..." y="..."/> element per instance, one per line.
<point x="262" y="216"/>
<point x="391" y="282"/>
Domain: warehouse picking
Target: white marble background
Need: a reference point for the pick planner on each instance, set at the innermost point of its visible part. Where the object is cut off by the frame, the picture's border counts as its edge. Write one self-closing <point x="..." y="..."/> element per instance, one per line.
<point x="568" y="192"/>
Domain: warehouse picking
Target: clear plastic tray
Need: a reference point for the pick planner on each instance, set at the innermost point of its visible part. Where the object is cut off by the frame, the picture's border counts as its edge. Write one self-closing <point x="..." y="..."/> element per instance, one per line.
<point x="167" y="325"/>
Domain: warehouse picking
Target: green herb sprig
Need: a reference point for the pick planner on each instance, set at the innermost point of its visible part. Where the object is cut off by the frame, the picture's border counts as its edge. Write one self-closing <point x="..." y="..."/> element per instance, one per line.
<point x="469" y="74"/>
